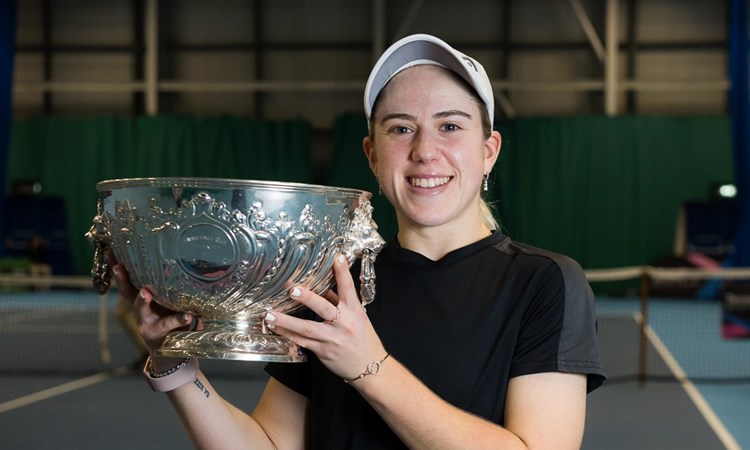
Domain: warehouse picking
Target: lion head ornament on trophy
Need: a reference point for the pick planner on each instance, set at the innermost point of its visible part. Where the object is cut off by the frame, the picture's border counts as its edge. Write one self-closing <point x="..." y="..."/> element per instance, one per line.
<point x="228" y="251"/>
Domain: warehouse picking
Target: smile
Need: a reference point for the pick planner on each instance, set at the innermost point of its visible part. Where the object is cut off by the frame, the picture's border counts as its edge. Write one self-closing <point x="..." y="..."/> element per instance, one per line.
<point x="428" y="182"/>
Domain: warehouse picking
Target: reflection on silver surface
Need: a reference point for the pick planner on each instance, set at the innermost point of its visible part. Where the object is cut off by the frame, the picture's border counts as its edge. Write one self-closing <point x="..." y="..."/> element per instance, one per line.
<point x="228" y="251"/>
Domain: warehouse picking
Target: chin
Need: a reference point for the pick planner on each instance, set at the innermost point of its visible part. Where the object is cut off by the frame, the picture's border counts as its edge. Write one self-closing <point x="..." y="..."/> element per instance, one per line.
<point x="425" y="220"/>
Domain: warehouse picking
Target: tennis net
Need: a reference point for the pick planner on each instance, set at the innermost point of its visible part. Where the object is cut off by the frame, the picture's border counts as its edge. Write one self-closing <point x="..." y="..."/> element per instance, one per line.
<point x="674" y="323"/>
<point x="59" y="325"/>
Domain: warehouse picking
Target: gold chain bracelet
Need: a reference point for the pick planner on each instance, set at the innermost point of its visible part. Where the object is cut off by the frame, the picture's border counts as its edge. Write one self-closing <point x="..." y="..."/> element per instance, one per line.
<point x="372" y="369"/>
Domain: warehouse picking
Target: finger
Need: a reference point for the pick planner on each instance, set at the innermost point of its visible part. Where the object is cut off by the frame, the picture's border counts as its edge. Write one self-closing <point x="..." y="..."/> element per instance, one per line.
<point x="124" y="286"/>
<point x="346" y="290"/>
<point x="301" y="332"/>
<point x="331" y="296"/>
<point x="325" y="309"/>
<point x="111" y="258"/>
<point x="157" y="319"/>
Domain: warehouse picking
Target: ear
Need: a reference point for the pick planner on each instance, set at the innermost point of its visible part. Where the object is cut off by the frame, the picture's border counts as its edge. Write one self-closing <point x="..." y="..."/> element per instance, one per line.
<point x="371" y="154"/>
<point x="492" y="150"/>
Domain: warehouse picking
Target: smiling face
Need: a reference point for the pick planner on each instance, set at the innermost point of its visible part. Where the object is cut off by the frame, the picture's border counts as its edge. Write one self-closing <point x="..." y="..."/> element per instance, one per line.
<point x="429" y="151"/>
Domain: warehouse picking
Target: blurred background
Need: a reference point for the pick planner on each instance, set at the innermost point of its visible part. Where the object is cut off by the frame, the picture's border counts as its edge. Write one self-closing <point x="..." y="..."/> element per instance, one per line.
<point x="625" y="146"/>
<point x="614" y="114"/>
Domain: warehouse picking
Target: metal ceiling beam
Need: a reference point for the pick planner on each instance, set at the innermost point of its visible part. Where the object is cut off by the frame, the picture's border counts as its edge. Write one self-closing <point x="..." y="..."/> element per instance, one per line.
<point x="259" y="53"/>
<point x="503" y="100"/>
<point x="378" y="29"/>
<point x="580" y="85"/>
<point x="611" y="89"/>
<point x="408" y="20"/>
<point x="47" y="52"/>
<point x="151" y="76"/>
<point x="631" y="59"/>
<point x="588" y="28"/>
<point x="150" y="85"/>
<point x="137" y="52"/>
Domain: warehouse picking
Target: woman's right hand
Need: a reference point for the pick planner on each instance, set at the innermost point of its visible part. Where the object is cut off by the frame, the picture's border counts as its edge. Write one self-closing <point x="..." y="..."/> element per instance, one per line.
<point x="154" y="320"/>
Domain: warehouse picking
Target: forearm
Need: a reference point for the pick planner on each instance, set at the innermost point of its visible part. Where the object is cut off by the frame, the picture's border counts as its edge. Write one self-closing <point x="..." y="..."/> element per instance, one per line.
<point x="422" y="420"/>
<point x="212" y="422"/>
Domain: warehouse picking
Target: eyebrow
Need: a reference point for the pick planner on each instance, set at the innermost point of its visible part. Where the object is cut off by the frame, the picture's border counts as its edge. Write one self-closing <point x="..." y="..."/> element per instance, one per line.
<point x="452" y="112"/>
<point x="440" y="115"/>
<point x="393" y="116"/>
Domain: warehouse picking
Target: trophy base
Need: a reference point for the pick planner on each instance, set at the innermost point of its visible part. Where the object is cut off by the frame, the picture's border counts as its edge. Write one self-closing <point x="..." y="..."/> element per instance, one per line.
<point x="231" y="345"/>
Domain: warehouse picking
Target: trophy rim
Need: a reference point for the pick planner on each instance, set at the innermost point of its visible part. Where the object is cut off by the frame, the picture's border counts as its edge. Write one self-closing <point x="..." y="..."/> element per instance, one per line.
<point x="219" y="183"/>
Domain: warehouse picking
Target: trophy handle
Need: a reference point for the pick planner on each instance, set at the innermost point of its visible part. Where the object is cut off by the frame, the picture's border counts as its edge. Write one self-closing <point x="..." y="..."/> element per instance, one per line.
<point x="367" y="277"/>
<point x="364" y="241"/>
<point x="101" y="272"/>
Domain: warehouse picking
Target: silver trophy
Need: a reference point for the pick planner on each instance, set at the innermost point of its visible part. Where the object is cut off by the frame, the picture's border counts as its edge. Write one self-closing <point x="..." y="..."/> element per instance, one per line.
<point x="228" y="251"/>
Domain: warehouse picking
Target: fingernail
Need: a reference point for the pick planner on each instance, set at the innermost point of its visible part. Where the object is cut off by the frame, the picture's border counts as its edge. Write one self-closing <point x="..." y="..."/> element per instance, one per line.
<point x="270" y="317"/>
<point x="116" y="271"/>
<point x="186" y="318"/>
<point x="295" y="292"/>
<point x="341" y="259"/>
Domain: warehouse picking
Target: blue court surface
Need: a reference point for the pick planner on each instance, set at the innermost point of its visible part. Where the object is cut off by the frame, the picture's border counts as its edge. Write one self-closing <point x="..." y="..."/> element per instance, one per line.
<point x="686" y="352"/>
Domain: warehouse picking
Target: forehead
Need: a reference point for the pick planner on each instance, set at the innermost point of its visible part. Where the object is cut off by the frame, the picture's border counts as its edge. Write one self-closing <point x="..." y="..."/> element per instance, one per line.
<point x="426" y="83"/>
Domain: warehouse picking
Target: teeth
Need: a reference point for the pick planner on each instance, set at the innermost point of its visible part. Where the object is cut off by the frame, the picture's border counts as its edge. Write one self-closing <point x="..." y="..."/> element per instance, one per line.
<point x="428" y="182"/>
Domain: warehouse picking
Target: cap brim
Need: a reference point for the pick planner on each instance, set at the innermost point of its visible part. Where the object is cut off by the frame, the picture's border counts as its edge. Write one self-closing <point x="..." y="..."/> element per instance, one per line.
<point x="426" y="49"/>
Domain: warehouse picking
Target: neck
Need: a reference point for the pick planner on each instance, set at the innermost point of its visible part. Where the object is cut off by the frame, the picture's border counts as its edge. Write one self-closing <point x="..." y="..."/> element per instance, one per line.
<point x="436" y="242"/>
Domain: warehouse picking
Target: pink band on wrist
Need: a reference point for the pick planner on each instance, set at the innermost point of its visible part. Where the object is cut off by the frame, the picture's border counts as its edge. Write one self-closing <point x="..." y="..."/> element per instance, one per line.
<point x="170" y="380"/>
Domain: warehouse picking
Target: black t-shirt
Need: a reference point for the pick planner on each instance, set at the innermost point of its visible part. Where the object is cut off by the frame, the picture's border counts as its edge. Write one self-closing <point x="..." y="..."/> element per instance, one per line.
<point x="463" y="325"/>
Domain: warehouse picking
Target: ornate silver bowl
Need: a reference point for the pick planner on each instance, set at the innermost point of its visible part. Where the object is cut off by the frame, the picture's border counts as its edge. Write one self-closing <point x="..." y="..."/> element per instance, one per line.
<point x="228" y="251"/>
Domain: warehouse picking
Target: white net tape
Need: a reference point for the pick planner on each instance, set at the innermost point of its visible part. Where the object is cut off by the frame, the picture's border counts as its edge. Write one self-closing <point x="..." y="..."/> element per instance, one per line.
<point x="662" y="273"/>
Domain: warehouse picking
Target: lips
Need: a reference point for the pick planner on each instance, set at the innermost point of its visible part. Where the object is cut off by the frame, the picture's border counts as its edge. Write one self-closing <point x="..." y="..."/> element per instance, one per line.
<point x="428" y="182"/>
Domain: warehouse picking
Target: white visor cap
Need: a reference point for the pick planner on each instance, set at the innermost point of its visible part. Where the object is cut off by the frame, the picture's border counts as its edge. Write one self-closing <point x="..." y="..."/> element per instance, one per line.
<point x="426" y="49"/>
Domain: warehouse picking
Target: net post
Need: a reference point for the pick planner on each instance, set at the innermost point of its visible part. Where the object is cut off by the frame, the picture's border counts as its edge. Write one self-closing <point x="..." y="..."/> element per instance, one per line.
<point x="642" y="338"/>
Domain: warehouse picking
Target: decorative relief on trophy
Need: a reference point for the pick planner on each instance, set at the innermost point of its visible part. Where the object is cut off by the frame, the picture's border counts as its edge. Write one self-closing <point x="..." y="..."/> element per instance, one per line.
<point x="228" y="251"/>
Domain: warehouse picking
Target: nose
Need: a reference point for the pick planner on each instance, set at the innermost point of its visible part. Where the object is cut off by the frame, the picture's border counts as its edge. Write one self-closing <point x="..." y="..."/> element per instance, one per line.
<point x="424" y="148"/>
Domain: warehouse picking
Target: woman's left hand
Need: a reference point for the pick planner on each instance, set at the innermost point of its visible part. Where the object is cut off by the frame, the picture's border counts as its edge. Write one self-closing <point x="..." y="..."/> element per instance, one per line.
<point x="345" y="341"/>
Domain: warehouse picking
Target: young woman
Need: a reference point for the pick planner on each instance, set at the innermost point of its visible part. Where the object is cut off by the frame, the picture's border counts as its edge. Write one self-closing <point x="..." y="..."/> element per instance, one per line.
<point x="473" y="341"/>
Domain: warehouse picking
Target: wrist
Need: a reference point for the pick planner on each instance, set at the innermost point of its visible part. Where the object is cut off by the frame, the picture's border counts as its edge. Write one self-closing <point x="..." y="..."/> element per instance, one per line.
<point x="372" y="369"/>
<point x="177" y="375"/>
<point x="163" y="363"/>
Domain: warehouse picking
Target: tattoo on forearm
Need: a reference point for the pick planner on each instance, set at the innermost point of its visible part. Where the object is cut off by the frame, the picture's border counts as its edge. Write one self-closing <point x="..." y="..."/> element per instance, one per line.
<point x="202" y="388"/>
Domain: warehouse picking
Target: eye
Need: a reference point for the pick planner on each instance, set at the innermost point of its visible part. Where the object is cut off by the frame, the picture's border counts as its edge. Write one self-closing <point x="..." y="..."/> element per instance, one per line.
<point x="399" y="129"/>
<point x="450" y="127"/>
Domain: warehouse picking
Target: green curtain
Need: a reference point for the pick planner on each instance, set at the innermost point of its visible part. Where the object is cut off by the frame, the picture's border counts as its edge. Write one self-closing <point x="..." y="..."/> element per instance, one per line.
<point x="605" y="191"/>
<point x="70" y="156"/>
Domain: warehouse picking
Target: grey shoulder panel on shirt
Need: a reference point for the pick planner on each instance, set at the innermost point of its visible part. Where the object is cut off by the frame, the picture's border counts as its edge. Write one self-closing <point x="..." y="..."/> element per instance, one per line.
<point x="578" y="347"/>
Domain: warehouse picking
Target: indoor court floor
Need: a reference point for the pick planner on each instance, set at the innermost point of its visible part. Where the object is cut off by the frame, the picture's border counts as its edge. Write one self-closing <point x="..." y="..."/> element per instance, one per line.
<point x="114" y="409"/>
<point x="119" y="412"/>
